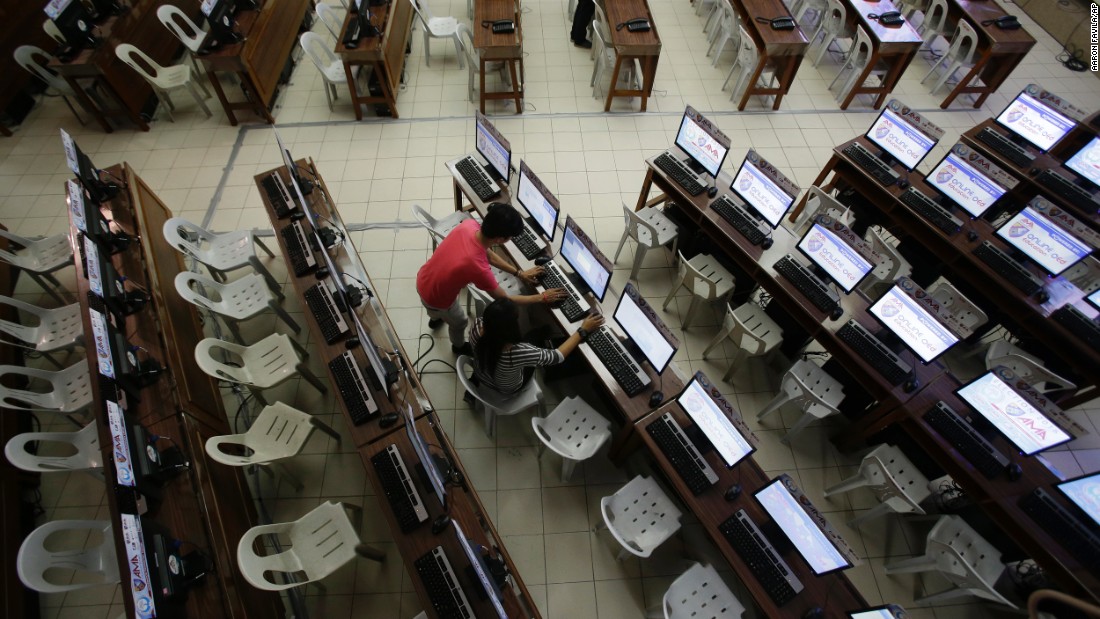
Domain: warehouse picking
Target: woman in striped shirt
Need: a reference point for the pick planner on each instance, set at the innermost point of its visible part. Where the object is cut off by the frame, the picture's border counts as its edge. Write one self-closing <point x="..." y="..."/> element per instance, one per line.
<point x="501" y="360"/>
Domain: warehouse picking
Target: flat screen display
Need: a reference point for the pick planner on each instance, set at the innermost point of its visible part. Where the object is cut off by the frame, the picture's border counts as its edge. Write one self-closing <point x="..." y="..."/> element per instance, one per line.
<point x="497" y="154"/>
<point x="420" y="446"/>
<point x="1086" y="162"/>
<point x="1094" y="298"/>
<point x="919" y="329"/>
<point x="536" y="200"/>
<point x="882" y="612"/>
<point x="1084" y="492"/>
<point x="55" y="7"/>
<point x="1030" y="119"/>
<point x="807" y="538"/>
<point x="761" y="193"/>
<point x="964" y="185"/>
<point x="836" y="257"/>
<point x="1022" y="424"/>
<point x="639" y="327"/>
<point x="1042" y="241"/>
<point x="584" y="261"/>
<point x="900" y="139"/>
<point x="712" y="420"/>
<point x="477" y="562"/>
<point x="706" y="149"/>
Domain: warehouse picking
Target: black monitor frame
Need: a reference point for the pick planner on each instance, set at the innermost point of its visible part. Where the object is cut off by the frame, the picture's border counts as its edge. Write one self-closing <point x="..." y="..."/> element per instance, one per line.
<point x="1084" y="180"/>
<point x="850" y="239"/>
<point x="481" y="120"/>
<point x="525" y="171"/>
<point x="1004" y="233"/>
<point x="780" y="480"/>
<point x="1021" y="139"/>
<point x="884" y="154"/>
<point x="947" y="200"/>
<point x="222" y="21"/>
<point x="999" y="373"/>
<point x="75" y="23"/>
<point x="1092" y="520"/>
<point x="783" y="183"/>
<point x="572" y="227"/>
<point x="901" y="285"/>
<point x="713" y="131"/>
<point x="731" y="415"/>
<point x="636" y="297"/>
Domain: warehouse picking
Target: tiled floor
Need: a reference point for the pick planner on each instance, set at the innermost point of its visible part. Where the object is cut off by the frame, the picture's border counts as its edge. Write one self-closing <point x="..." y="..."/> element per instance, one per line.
<point x="376" y="169"/>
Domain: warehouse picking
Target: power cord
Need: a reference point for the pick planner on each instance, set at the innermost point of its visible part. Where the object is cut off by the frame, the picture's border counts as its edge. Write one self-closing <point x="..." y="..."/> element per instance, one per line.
<point x="1074" y="61"/>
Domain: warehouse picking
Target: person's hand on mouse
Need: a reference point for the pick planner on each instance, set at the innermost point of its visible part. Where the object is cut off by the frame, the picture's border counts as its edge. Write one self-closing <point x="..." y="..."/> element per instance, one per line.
<point x="530" y="276"/>
<point x="555" y="295"/>
<point x="592" y="322"/>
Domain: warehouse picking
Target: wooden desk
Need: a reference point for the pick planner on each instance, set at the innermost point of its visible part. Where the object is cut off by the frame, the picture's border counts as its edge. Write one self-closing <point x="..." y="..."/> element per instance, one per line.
<point x="384" y="54"/>
<point x="999" y="51"/>
<point x="784" y="49"/>
<point x="505" y="47"/>
<point x="645" y="47"/>
<point x="895" y="46"/>
<point x="270" y="32"/>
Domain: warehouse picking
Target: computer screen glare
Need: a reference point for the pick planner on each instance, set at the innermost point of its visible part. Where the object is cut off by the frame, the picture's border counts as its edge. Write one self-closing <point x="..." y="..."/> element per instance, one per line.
<point x="584" y="262"/>
<point x="495" y="153"/>
<point x="1041" y="240"/>
<point x="917" y="327"/>
<point x="900" y="139"/>
<point x="837" y="258"/>
<point x="1030" y="119"/>
<point x="761" y="193"/>
<point x="964" y="185"/>
<point x="701" y="145"/>
<point x="1021" y="423"/>
<point x="1086" y="162"/>
<point x="536" y="204"/>
<point x="807" y="538"/>
<point x="1085" y="493"/>
<point x="712" y="420"/>
<point x="648" y="337"/>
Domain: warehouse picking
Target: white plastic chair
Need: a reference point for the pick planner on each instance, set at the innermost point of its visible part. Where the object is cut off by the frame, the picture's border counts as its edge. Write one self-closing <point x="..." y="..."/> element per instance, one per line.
<point x="330" y="67"/>
<point x="832" y="27"/>
<point x="604" y="54"/>
<point x="706" y="279"/>
<point x="494" y="403"/>
<point x="477" y="299"/>
<point x="70" y="389"/>
<point x="699" y="593"/>
<point x="55" y="33"/>
<point x="1027" y="367"/>
<point x="818" y="202"/>
<point x="729" y="27"/>
<point x="934" y="22"/>
<point x="85" y="442"/>
<point x="574" y="431"/>
<point x="751" y="330"/>
<point x="220" y="253"/>
<point x="188" y="32"/>
<point x="438" y="229"/>
<point x="40" y="565"/>
<point x="650" y="228"/>
<point x="886" y="272"/>
<point x="960" y="555"/>
<point x="640" y="517"/>
<point x="896" y="482"/>
<point x="333" y="23"/>
<point x="56" y="329"/>
<point x="745" y="65"/>
<point x="39" y="258"/>
<point x="263" y="365"/>
<point x="910" y="7"/>
<point x="1085" y="275"/>
<point x="965" y="315"/>
<point x="277" y="433"/>
<point x="855" y="63"/>
<point x="321" y="542"/>
<point x="817" y="395"/>
<point x="35" y="60"/>
<point x="959" y="55"/>
<point x="163" y="79"/>
<point x="472" y="61"/>
<point x="235" y="301"/>
<point x="437" y="28"/>
<point x="814" y="8"/>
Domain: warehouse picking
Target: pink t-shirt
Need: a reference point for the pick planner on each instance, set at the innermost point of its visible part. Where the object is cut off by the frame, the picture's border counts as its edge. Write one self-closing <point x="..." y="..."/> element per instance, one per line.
<point x="459" y="260"/>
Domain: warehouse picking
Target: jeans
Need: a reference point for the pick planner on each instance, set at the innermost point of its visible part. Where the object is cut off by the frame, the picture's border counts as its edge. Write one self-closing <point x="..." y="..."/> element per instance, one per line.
<point x="455" y="317"/>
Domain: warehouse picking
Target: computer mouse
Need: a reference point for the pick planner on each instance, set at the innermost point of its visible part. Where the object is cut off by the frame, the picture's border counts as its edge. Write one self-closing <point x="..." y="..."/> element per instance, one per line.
<point x="971" y="236"/>
<point x="388" y="420"/>
<point x="1014" y="471"/>
<point x="732" y="492"/>
<point x="903" y="183"/>
<point x="1042" y="296"/>
<point x="541" y="260"/>
<point x="1033" y="171"/>
<point x="910" y="385"/>
<point x="713" y="191"/>
<point x="816" y="612"/>
<point x="837" y="313"/>
<point x="351" y="342"/>
<point x="656" y="398"/>
<point x="440" y="524"/>
<point x="297" y="216"/>
<point x="767" y="243"/>
<point x="321" y="273"/>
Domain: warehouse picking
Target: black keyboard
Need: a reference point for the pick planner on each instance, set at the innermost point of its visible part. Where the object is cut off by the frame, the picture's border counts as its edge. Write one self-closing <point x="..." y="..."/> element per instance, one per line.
<point x="770" y="569"/>
<point x="277" y="194"/>
<point x="1078" y="324"/>
<point x="1024" y="280"/>
<point x="685" y="458"/>
<point x="963" y="437"/>
<point x="746" y="224"/>
<point x="807" y="283"/>
<point x="353" y="388"/>
<point x="871" y="164"/>
<point x="1005" y="147"/>
<point x="874" y="352"/>
<point x="448" y="600"/>
<point x="528" y="243"/>
<point x="677" y="171"/>
<point x="553" y="278"/>
<point x="1068" y="191"/>
<point x="327" y="312"/>
<point x="299" y="249"/>
<point x="618" y="361"/>
<point x="928" y="208"/>
<point x="398" y="487"/>
<point x="1055" y="519"/>
<point x="476" y="177"/>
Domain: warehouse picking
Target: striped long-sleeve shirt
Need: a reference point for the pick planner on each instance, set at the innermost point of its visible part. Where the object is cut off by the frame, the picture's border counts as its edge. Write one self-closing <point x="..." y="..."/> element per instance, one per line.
<point x="507" y="377"/>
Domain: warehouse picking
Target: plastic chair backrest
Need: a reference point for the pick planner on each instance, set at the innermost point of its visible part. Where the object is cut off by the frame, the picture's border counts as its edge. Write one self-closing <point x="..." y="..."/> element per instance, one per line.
<point x="861" y="50"/>
<point x="572" y="426"/>
<point x="85" y="441"/>
<point x="692" y="277"/>
<point x="892" y="265"/>
<point x="70" y="389"/>
<point x="140" y="62"/>
<point x="185" y="236"/>
<point x="835" y="17"/>
<point x="318" y="51"/>
<point x="746" y="53"/>
<point x="700" y="593"/>
<point x="963" y="311"/>
<point x="1085" y="274"/>
<point x="819" y="202"/>
<point x="467" y="36"/>
<point x="329" y="18"/>
<point x="895" y="477"/>
<point x="55" y="33"/>
<point x="643" y="514"/>
<point x="601" y="24"/>
<point x="816" y="385"/>
<point x="464" y="367"/>
<point x="750" y="322"/>
<point x="279" y="431"/>
<point x="935" y="17"/>
<point x="422" y="11"/>
<point x="1034" y="373"/>
<point x="320" y="543"/>
<point x="34" y="562"/>
<point x="963" y="43"/>
<point x="239" y="299"/>
<point x="639" y="229"/>
<point x="27" y="57"/>
<point x="179" y="24"/>
<point x="963" y="556"/>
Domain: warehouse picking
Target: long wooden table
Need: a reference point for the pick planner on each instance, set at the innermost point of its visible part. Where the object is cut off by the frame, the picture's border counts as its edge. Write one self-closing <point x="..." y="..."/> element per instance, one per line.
<point x="502" y="47"/>
<point x="782" y="49"/>
<point x="895" y="46"/>
<point x="643" y="47"/>
<point x="384" y="55"/>
<point x="999" y="51"/>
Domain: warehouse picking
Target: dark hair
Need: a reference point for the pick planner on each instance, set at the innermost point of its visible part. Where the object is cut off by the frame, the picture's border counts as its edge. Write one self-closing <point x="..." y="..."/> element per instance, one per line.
<point x="501" y="221"/>
<point x="500" y="327"/>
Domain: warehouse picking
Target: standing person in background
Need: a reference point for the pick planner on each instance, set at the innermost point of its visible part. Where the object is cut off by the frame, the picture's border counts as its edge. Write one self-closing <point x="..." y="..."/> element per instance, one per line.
<point x="582" y="19"/>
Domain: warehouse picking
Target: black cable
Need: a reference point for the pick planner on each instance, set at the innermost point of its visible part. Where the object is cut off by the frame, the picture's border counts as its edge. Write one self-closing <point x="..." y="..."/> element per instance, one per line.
<point x="1074" y="61"/>
<point x="431" y="361"/>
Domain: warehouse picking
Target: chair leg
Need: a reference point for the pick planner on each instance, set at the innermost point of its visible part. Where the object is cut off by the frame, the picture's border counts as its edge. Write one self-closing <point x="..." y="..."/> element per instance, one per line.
<point x="942" y="596"/>
<point x="198" y="99"/>
<point x="490" y="420"/>
<point x="311" y="379"/>
<point x="282" y="313"/>
<point x="259" y="242"/>
<point x="798" y="427"/>
<point x="328" y="96"/>
<point x="73" y="109"/>
<point x="50" y="289"/>
<point x="729" y="372"/>
<point x="427" y="47"/>
<point x="262" y="270"/>
<point x="622" y="240"/>
<point x="258" y="394"/>
<point x="922" y="563"/>
<point x="235" y="329"/>
<point x="327" y="429"/>
<point x="370" y="552"/>
<point x="672" y="293"/>
<point x="294" y="481"/>
<point x="692" y="309"/>
<point x="639" y="255"/>
<point x="50" y="358"/>
<point x="723" y="334"/>
<point x="845" y="486"/>
<point x="879" y="510"/>
<point x="568" y="465"/>
<point x="458" y="51"/>
<point x="780" y="399"/>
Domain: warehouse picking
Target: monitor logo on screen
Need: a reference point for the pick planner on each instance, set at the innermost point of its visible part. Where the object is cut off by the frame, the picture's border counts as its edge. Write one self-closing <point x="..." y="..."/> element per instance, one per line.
<point x="823" y="249"/>
<point x="1015" y="114"/>
<point x="947" y="173"/>
<point x="891" y="308"/>
<point x="883" y="130"/>
<point x="1020" y="228"/>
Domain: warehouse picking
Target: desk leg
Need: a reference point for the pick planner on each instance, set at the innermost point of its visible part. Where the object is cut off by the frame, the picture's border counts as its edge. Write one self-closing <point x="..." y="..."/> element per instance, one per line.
<point x="385" y="81"/>
<point x="216" y="83"/>
<point x="751" y="86"/>
<point x="353" y="90"/>
<point x="649" y="74"/>
<point x="89" y="105"/>
<point x="515" y="86"/>
<point x="614" y="81"/>
<point x="481" y="91"/>
<point x="458" y="196"/>
<point x="4" y="130"/>
<point x="797" y="211"/>
<point x="785" y="81"/>
<point x="896" y="69"/>
<point x="647" y="185"/>
<point x="995" y="74"/>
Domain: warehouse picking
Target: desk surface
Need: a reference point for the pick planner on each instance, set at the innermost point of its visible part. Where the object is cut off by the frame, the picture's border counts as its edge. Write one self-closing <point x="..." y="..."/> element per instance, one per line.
<point x="632" y="43"/>
<point x="996" y="39"/>
<point x="495" y="46"/>
<point x="885" y="37"/>
<point x="773" y="42"/>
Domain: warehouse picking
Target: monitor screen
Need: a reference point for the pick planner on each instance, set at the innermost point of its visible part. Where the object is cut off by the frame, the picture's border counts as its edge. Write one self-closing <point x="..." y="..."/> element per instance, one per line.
<point x="497" y="152"/>
<point x="921" y="331"/>
<point x="701" y="143"/>
<point x="900" y="139"/>
<point x="207" y="6"/>
<point x="714" y="423"/>
<point x="1084" y="492"/>
<point x="1043" y="241"/>
<point x="834" y="256"/>
<point x="55" y="7"/>
<point x="889" y="611"/>
<point x="537" y="200"/>
<point x="1086" y="162"/>
<point x="643" y="327"/>
<point x="1022" y="424"/>
<point x="1032" y="120"/>
<point x="585" y="258"/>
<point x="807" y="538"/>
<point x="761" y="193"/>
<point x="964" y="185"/>
<point x="481" y="569"/>
<point x="1094" y="298"/>
<point x="420" y="446"/>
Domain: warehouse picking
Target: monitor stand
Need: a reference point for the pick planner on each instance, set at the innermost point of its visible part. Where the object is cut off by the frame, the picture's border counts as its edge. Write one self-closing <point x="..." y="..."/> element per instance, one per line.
<point x="699" y="439"/>
<point x="891" y="341"/>
<point x="578" y="283"/>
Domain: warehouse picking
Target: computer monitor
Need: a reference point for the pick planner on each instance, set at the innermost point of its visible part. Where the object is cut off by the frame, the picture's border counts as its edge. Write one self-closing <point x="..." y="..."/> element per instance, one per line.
<point x="88" y="218"/>
<point x="431" y="468"/>
<point x="832" y="255"/>
<point x="917" y="327"/>
<point x="809" y="540"/>
<point x="964" y="185"/>
<point x="220" y="15"/>
<point x="362" y="19"/>
<point x="541" y="205"/>
<point x="699" y="403"/>
<point x="899" y="139"/>
<point x="641" y="324"/>
<point x="105" y="282"/>
<point x="1086" y="162"/>
<point x="1094" y="298"/>
<point x="586" y="259"/>
<point x="89" y="176"/>
<point x="704" y="143"/>
<point x="1036" y="123"/>
<point x="886" y="611"/>
<point x="760" y="191"/>
<point x="73" y="20"/>
<point x="492" y="146"/>
<point x="1084" y="492"/>
<point x="305" y="186"/>
<point x="1024" y="425"/>
<point x="1044" y="242"/>
<point x="481" y="570"/>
